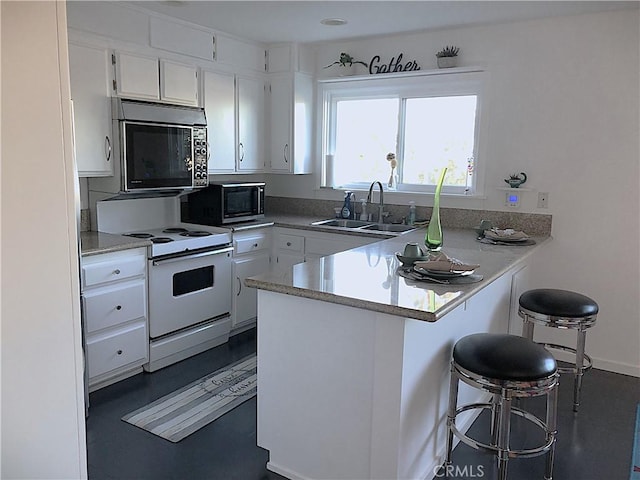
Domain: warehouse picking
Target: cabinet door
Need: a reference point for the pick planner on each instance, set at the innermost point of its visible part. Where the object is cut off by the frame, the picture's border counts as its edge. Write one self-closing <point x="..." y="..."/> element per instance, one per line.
<point x="220" y="108"/>
<point x="89" y="70"/>
<point x="137" y="76"/>
<point x="291" y="119"/>
<point x="245" y="299"/>
<point x="280" y="102"/>
<point x="251" y="109"/>
<point x="178" y="83"/>
<point x="286" y="260"/>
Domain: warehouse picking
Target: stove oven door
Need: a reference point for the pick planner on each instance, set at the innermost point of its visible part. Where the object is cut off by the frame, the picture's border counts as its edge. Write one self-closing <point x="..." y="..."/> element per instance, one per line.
<point x="188" y="289"/>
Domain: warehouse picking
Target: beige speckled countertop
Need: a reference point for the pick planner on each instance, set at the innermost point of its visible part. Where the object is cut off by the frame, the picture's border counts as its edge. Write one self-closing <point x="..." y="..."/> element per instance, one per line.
<point x="95" y="243"/>
<point x="366" y="277"/>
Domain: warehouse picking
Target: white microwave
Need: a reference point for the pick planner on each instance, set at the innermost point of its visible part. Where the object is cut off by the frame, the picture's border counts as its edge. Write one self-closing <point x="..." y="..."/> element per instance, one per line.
<point x="162" y="147"/>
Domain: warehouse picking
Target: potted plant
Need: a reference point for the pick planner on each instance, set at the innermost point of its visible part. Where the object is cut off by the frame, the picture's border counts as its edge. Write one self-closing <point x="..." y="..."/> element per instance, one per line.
<point x="516" y="180"/>
<point x="346" y="63"/>
<point x="448" y="57"/>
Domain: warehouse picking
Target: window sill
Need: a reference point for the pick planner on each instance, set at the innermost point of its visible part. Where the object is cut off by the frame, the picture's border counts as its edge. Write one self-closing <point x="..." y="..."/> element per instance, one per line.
<point x="407" y="193"/>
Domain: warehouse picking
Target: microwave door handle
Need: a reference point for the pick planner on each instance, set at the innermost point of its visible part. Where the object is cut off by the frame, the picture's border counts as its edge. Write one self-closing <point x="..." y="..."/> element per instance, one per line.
<point x="258" y="200"/>
<point x="182" y="256"/>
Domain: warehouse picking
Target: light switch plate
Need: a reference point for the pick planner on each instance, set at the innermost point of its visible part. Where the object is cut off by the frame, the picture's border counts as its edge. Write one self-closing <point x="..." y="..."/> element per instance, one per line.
<point x="543" y="200"/>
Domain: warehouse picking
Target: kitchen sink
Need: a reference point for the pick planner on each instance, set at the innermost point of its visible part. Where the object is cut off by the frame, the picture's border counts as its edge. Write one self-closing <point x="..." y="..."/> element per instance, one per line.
<point x="389" y="227"/>
<point x="342" y="222"/>
<point x="365" y="227"/>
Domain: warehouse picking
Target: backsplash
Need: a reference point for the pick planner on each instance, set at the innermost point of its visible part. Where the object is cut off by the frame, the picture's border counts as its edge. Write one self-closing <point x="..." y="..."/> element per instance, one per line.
<point x="85" y="220"/>
<point x="531" y="223"/>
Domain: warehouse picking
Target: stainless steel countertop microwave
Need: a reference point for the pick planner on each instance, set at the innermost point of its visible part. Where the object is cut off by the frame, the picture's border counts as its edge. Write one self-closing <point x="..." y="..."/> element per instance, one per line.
<point x="223" y="203"/>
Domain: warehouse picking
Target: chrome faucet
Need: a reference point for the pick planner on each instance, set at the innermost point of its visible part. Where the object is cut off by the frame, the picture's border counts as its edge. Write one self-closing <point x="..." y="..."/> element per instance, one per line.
<point x="381" y="204"/>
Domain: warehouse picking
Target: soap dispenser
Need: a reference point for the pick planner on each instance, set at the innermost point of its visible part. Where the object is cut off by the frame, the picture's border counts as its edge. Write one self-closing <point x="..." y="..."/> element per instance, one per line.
<point x="412" y="213"/>
<point x="347" y="208"/>
<point x="363" y="210"/>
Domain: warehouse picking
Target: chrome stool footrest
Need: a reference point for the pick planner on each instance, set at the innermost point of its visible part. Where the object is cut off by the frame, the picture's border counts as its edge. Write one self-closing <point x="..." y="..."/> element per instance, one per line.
<point x="588" y="363"/>
<point x="512" y="453"/>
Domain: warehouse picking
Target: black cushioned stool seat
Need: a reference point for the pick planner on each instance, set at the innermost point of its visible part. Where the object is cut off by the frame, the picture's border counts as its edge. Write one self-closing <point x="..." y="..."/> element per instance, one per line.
<point x="507" y="366"/>
<point x="561" y="309"/>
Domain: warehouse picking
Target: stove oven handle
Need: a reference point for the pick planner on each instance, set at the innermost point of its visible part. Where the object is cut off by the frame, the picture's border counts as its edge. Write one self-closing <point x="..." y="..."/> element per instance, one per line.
<point x="189" y="256"/>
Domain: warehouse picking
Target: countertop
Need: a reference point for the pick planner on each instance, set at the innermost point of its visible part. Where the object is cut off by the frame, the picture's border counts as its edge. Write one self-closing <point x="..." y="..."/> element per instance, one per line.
<point x="366" y="277"/>
<point x="95" y="243"/>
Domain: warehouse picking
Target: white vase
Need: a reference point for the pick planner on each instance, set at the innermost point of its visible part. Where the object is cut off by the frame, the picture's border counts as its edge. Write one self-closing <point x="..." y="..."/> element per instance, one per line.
<point x="346" y="70"/>
<point x="447" y="62"/>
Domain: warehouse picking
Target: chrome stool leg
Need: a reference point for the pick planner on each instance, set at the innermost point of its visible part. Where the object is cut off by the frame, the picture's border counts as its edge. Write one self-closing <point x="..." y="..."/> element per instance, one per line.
<point x="504" y="431"/>
<point x="527" y="329"/>
<point x="495" y="417"/>
<point x="451" y="414"/>
<point x="551" y="421"/>
<point x="577" y="385"/>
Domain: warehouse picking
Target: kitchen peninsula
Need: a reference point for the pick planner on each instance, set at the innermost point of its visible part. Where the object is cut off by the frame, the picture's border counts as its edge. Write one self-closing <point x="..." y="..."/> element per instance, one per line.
<point x="353" y="358"/>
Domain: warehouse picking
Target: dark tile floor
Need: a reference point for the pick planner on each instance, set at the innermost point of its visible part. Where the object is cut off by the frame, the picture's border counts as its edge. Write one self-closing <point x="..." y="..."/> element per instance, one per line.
<point x="595" y="444"/>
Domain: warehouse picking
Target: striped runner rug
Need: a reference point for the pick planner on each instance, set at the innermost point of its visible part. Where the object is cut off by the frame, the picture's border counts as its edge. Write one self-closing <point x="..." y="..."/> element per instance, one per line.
<point x="635" y="459"/>
<point x="179" y="414"/>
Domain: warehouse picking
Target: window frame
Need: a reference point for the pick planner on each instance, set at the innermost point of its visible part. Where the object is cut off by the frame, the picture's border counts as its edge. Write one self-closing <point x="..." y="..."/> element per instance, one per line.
<point x="421" y="84"/>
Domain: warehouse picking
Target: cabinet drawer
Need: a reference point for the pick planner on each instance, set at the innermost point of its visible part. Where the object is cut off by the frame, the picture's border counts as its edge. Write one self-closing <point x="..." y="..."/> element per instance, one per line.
<point x="119" y="348"/>
<point x="114" y="269"/>
<point x="251" y="244"/>
<point x="106" y="307"/>
<point x="292" y="243"/>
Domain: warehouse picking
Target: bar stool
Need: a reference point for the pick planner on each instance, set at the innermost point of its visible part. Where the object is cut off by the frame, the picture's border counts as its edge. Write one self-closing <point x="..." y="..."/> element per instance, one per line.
<point x="507" y="366"/>
<point x="561" y="309"/>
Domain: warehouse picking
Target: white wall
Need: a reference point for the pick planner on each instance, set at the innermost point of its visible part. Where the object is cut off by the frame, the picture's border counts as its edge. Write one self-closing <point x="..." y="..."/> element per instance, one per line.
<point x="43" y="430"/>
<point x="563" y="105"/>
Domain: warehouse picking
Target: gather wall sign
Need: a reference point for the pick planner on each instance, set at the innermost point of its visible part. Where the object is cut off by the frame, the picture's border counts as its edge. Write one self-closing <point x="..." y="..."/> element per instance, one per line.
<point x="395" y="65"/>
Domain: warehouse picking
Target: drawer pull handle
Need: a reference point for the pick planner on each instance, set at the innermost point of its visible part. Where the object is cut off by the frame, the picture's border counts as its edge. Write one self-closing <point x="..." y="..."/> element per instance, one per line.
<point x="288" y="244"/>
<point x="255" y="245"/>
<point x="119" y="352"/>
<point x="116" y="271"/>
<point x="119" y="307"/>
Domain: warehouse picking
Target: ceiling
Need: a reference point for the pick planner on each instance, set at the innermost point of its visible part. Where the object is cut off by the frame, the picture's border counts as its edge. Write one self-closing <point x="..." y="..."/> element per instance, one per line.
<point x="299" y="21"/>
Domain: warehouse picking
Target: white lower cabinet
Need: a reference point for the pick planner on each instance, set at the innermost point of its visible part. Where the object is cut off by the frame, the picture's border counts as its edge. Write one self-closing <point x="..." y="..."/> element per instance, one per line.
<point x="251" y="256"/>
<point x="322" y="244"/>
<point x="115" y="315"/>
<point x="288" y="247"/>
<point x="291" y="246"/>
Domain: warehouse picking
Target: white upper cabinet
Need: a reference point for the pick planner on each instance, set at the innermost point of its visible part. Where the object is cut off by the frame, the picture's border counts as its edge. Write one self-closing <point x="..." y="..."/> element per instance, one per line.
<point x="251" y="109"/>
<point x="89" y="68"/>
<point x="137" y="76"/>
<point x="220" y="108"/>
<point x="290" y="112"/>
<point x="178" y="83"/>
<point x="150" y="78"/>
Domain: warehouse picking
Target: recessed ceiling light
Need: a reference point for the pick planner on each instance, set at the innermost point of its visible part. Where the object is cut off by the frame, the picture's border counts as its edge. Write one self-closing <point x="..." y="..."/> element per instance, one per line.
<point x="333" y="22"/>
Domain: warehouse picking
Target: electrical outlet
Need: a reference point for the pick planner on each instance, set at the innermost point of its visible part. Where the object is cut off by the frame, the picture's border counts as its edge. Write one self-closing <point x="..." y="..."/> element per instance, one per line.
<point x="543" y="200"/>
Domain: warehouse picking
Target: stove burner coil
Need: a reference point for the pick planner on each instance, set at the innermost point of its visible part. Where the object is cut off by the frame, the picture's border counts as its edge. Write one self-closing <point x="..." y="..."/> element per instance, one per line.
<point x="174" y="230"/>
<point x="195" y="233"/>
<point x="138" y="235"/>
<point x="161" y="240"/>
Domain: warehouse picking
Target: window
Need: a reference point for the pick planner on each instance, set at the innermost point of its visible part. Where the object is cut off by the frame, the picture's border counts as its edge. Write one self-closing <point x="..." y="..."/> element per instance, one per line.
<point x="428" y="121"/>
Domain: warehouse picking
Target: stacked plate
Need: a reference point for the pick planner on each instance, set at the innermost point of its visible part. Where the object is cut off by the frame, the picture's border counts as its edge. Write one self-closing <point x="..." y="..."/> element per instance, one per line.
<point x="506" y="236"/>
